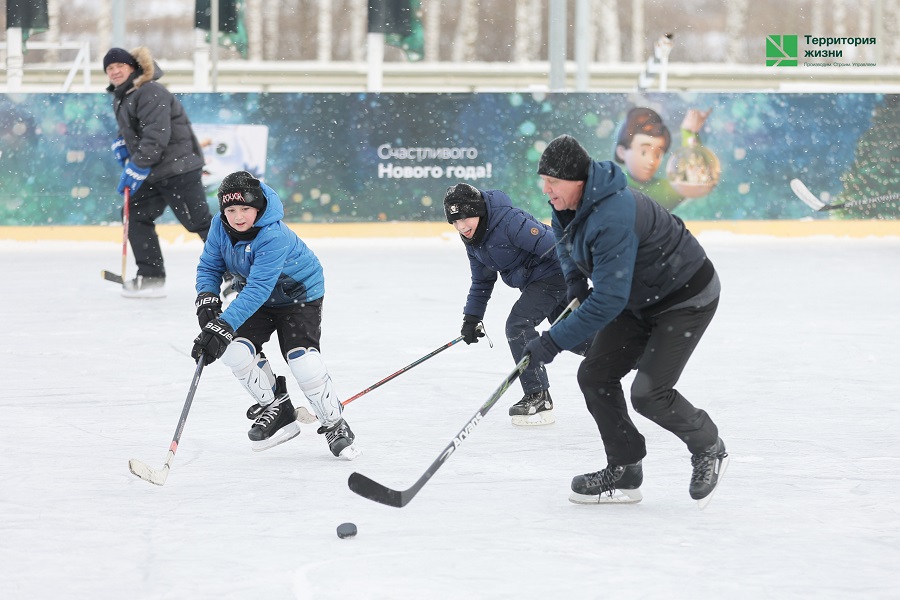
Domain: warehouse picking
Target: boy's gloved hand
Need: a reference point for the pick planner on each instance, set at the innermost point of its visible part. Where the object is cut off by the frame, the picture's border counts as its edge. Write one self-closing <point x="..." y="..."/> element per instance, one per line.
<point x="212" y="341"/>
<point x="209" y="307"/>
<point x="470" y="330"/>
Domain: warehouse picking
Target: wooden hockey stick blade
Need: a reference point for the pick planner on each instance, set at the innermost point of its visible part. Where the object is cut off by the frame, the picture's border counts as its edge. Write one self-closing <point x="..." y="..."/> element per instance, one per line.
<point x="148" y="473"/>
<point x="110" y="276"/>
<point x="303" y="415"/>
<point x="807" y="196"/>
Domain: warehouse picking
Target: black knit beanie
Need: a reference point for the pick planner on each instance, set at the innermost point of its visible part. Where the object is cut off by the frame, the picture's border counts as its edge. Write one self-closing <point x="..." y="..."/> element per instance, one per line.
<point x="565" y="158"/>
<point x="119" y="55"/>
<point x="241" y="187"/>
<point x="463" y="201"/>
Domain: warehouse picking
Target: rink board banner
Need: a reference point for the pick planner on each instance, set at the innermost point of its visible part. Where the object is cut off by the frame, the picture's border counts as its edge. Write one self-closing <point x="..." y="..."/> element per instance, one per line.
<point x="344" y="158"/>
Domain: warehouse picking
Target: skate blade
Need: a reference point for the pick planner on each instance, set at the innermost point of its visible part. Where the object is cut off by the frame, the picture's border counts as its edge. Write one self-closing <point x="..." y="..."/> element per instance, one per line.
<point x="286" y="433"/>
<point x="542" y="418"/>
<point x="351" y="452"/>
<point x="619" y="497"/>
<point x="150" y="294"/>
<point x="702" y="502"/>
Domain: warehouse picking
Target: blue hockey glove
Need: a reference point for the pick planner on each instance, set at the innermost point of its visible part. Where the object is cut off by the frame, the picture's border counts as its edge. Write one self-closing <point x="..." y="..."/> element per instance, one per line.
<point x="120" y="150"/>
<point x="542" y="349"/>
<point x="212" y="341"/>
<point x="132" y="177"/>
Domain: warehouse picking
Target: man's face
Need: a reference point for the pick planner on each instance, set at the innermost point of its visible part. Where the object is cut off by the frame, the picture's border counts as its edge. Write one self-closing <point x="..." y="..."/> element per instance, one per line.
<point x="643" y="157"/>
<point x="563" y="194"/>
<point x="118" y="73"/>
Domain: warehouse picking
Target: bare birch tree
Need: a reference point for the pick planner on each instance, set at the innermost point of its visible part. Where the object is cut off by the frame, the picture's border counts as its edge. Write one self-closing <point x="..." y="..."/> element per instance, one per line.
<point x="272" y="28"/>
<point x="253" y="19"/>
<point x="432" y="27"/>
<point x="324" y="30"/>
<point x="466" y="32"/>
<point x="359" y="28"/>
<point x="609" y="48"/>
<point x="735" y="25"/>
<point x="638" y="49"/>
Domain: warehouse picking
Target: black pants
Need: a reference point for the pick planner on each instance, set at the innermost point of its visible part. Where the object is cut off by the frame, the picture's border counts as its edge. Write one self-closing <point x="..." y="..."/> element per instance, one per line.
<point x="186" y="196"/>
<point x="659" y="347"/>
<point x="544" y="299"/>
<point x="298" y="326"/>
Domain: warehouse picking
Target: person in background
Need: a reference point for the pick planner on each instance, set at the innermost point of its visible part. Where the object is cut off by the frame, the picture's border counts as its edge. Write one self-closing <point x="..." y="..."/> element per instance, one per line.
<point x="654" y="293"/>
<point x="281" y="288"/>
<point x="161" y="163"/>
<point x="501" y="239"/>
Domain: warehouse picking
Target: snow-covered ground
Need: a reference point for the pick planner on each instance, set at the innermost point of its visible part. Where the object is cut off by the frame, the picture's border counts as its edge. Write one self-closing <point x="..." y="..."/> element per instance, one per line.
<point x="799" y="370"/>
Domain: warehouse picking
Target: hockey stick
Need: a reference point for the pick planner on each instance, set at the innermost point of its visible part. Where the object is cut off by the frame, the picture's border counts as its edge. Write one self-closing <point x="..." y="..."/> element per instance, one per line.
<point x="304" y="416"/>
<point x="812" y="201"/>
<point x="107" y="275"/>
<point x="158" y="476"/>
<point x="371" y="489"/>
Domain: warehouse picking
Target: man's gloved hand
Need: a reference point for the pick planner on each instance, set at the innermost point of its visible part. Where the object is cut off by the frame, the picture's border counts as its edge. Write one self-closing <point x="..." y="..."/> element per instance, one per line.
<point x="132" y="177"/>
<point x="577" y="287"/>
<point x="542" y="349"/>
<point x="120" y="150"/>
<point x="470" y="330"/>
<point x="209" y="307"/>
<point x="212" y="341"/>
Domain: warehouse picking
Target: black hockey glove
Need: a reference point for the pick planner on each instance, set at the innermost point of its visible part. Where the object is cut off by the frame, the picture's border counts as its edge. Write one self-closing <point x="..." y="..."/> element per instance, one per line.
<point x="209" y="307"/>
<point x="542" y="349"/>
<point x="212" y="341"/>
<point x="471" y="330"/>
<point x="577" y="287"/>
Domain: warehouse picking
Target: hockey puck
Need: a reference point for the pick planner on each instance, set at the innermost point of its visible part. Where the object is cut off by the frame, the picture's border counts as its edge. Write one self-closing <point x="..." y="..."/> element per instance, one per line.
<point x="346" y="530"/>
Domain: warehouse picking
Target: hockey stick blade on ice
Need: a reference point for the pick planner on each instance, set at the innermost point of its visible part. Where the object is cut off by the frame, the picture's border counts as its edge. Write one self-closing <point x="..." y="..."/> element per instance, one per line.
<point x="304" y="416"/>
<point x="158" y="476"/>
<point x="813" y="201"/>
<point x="109" y="275"/>
<point x="372" y="490"/>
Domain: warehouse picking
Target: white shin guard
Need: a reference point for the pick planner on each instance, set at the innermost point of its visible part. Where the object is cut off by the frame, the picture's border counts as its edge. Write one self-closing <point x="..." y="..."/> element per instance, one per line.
<point x="251" y="369"/>
<point x="311" y="373"/>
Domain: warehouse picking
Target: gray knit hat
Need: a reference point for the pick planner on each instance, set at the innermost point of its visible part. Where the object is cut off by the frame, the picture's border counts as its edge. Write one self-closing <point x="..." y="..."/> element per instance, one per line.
<point x="565" y="158"/>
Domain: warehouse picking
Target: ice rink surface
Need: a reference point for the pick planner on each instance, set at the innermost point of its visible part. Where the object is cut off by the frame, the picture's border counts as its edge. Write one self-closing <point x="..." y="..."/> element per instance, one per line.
<point x="799" y="369"/>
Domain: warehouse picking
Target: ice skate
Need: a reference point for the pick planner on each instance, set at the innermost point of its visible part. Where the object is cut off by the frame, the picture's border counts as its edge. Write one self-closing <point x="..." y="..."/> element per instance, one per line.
<point x="709" y="467"/>
<point x="613" y="485"/>
<point x="144" y="287"/>
<point x="533" y="409"/>
<point x="274" y="424"/>
<point x="340" y="440"/>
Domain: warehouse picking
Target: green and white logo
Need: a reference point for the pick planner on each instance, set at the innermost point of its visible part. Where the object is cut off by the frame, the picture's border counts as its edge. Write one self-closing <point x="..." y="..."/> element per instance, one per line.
<point x="782" y="51"/>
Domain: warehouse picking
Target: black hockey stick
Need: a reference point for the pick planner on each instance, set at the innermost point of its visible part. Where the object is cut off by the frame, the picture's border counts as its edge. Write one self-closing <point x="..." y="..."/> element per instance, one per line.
<point x="109" y="275"/>
<point x="813" y="201"/>
<point x="304" y="416"/>
<point x="371" y="489"/>
<point x="158" y="476"/>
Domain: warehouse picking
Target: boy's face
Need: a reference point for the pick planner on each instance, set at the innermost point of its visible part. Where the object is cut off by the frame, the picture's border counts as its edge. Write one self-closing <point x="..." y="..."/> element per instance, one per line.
<point x="241" y="217"/>
<point x="643" y="158"/>
<point x="466" y="227"/>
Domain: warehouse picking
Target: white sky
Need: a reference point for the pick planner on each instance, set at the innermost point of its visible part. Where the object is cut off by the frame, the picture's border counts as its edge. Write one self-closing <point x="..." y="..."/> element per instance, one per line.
<point x="799" y="370"/>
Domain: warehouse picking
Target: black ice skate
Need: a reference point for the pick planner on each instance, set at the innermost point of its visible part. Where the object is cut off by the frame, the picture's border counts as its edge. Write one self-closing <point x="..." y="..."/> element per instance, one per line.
<point x="340" y="440"/>
<point x="533" y="409"/>
<point x="274" y="424"/>
<point x="709" y="467"/>
<point x="144" y="287"/>
<point x="613" y="485"/>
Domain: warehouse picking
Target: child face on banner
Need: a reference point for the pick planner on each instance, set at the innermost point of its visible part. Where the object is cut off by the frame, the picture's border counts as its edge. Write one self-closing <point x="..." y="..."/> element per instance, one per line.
<point x="241" y="217"/>
<point x="643" y="157"/>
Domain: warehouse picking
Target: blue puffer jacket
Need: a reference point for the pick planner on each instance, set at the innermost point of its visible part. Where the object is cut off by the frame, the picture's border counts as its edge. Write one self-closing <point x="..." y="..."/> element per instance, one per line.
<point x="274" y="269"/>
<point x="515" y="245"/>
<point x="634" y="252"/>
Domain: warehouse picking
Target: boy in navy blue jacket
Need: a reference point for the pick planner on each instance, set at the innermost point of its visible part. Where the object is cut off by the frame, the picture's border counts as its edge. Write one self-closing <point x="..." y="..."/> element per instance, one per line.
<point x="281" y="287"/>
<point x="504" y="240"/>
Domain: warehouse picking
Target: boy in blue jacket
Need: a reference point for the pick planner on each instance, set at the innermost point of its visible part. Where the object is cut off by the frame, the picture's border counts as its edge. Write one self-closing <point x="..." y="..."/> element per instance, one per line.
<point x="281" y="287"/>
<point x="504" y="240"/>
